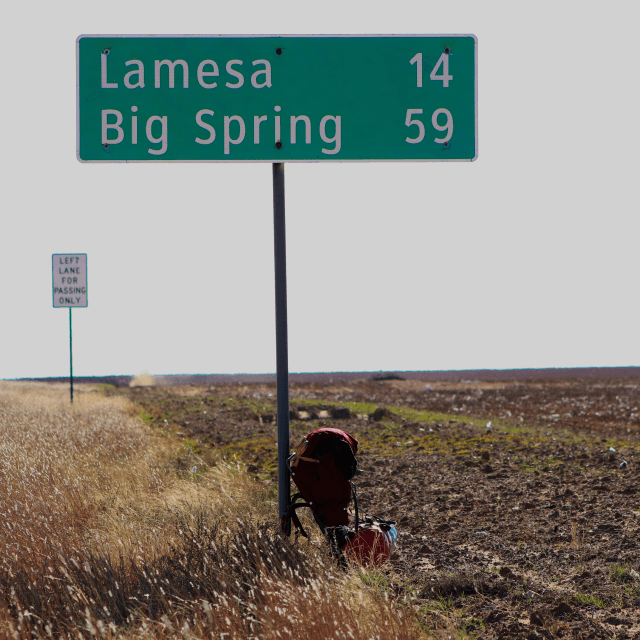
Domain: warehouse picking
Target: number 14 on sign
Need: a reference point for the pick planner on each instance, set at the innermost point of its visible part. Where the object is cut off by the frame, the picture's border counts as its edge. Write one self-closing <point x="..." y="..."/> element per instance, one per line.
<point x="443" y="61"/>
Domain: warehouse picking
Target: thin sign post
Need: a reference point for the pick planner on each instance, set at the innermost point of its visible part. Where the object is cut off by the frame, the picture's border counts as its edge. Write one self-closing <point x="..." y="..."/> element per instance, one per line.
<point x="69" y="274"/>
<point x="282" y="351"/>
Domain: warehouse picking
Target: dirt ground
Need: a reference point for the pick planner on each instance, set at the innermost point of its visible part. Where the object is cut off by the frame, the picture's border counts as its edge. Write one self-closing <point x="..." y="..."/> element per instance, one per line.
<point x="517" y="502"/>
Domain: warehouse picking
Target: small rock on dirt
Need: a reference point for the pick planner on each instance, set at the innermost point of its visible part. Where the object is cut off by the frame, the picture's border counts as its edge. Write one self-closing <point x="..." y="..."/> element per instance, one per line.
<point x="340" y="413"/>
<point x="486" y="468"/>
<point x="562" y="609"/>
<point x="379" y="414"/>
<point x="536" y="618"/>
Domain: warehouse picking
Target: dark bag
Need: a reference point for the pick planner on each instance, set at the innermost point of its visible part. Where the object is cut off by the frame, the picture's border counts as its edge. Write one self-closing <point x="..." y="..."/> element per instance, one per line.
<point x="322" y="469"/>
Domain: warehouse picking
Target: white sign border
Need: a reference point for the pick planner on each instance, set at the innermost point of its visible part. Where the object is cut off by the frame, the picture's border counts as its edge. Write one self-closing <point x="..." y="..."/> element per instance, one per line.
<point x="276" y="35"/>
<point x="53" y="297"/>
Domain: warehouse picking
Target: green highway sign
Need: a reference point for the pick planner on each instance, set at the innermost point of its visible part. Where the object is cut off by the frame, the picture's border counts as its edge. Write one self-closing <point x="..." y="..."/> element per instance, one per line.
<point x="276" y="98"/>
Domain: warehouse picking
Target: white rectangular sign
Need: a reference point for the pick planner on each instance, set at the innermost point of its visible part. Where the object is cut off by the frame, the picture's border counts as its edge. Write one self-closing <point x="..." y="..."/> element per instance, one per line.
<point x="69" y="280"/>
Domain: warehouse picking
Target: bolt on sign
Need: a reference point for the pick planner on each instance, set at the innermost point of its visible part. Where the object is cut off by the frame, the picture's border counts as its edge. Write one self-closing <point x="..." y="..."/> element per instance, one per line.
<point x="70" y="280"/>
<point x="276" y="98"/>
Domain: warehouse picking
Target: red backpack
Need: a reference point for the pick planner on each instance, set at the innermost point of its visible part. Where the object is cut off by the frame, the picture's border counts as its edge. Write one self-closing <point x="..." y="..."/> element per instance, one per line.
<point x="322" y="468"/>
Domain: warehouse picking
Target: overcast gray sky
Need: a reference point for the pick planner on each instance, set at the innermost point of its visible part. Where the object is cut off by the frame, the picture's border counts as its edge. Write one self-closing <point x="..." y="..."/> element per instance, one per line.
<point x="527" y="257"/>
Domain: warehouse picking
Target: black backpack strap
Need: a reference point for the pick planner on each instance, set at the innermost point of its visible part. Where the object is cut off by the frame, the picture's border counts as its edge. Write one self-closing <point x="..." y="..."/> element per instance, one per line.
<point x="355" y="504"/>
<point x="290" y="516"/>
<point x="297" y="523"/>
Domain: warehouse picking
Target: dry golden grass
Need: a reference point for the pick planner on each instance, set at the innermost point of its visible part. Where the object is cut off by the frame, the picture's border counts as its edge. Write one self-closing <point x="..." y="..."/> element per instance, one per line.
<point x="111" y="530"/>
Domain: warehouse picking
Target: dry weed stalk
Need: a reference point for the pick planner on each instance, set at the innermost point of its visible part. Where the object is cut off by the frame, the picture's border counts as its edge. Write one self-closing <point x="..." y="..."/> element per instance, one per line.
<point x="102" y="538"/>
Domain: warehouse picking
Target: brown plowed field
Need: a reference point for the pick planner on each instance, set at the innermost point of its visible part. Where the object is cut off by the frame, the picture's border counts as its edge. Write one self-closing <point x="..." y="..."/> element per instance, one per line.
<point x="517" y="501"/>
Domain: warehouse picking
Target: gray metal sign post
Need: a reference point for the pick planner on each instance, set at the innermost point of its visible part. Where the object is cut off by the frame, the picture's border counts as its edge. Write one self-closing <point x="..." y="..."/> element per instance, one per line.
<point x="282" y="352"/>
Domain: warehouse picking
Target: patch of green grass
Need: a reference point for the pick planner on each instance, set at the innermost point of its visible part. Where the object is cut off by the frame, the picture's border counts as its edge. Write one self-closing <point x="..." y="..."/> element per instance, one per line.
<point x="473" y="625"/>
<point x="439" y="603"/>
<point x="621" y="574"/>
<point x="260" y="450"/>
<point x="376" y="579"/>
<point x="628" y="592"/>
<point x="417" y="415"/>
<point x="589" y="599"/>
<point x="146" y="417"/>
<point x="631" y="591"/>
<point x="194" y="447"/>
<point x="366" y="408"/>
